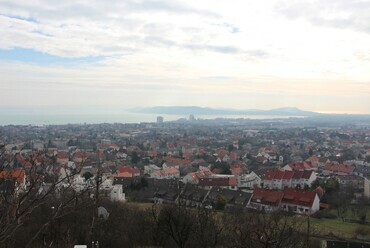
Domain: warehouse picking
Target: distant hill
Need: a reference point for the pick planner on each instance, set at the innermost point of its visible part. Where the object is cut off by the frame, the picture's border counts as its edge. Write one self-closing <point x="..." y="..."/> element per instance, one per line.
<point x="195" y="110"/>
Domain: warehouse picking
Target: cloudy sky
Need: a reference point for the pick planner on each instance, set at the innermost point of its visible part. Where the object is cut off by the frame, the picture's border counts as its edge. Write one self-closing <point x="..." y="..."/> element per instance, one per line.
<point x="314" y="55"/>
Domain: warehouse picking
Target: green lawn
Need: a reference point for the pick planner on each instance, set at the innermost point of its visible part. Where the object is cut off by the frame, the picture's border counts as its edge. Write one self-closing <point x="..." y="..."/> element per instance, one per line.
<point x="141" y="205"/>
<point x="339" y="228"/>
<point x="321" y="226"/>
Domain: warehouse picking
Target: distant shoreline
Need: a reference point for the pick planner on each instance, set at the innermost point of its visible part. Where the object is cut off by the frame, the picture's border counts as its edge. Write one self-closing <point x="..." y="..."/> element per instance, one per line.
<point x="124" y="118"/>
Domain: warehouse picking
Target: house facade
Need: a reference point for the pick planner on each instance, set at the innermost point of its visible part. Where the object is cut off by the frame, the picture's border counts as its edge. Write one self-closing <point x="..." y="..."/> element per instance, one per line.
<point x="300" y="201"/>
<point x="280" y="179"/>
<point x="249" y="181"/>
<point x="117" y="193"/>
<point x="266" y="200"/>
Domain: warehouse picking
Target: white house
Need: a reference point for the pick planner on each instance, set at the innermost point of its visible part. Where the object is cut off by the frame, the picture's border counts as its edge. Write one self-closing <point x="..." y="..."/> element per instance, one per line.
<point x="117" y="193"/>
<point x="168" y="173"/>
<point x="280" y="179"/>
<point x="249" y="181"/>
<point x="193" y="177"/>
<point x="106" y="183"/>
<point x="300" y="201"/>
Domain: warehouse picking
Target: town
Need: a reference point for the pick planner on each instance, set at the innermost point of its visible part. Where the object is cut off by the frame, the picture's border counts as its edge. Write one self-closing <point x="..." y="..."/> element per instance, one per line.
<point x="264" y="166"/>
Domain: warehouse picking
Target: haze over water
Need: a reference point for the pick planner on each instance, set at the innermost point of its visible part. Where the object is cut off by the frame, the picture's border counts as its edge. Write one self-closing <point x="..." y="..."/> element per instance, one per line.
<point x="51" y="119"/>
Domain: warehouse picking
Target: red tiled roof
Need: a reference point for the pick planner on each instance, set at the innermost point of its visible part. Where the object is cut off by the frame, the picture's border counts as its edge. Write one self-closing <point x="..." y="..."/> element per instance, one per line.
<point x="62" y="155"/>
<point x="222" y="153"/>
<point x="173" y="161"/>
<point x="171" y="170"/>
<point x="307" y="174"/>
<point x="233" y="181"/>
<point x="153" y="153"/>
<point x="218" y="181"/>
<point x="261" y="159"/>
<point x="200" y="174"/>
<point x="269" y="175"/>
<point x="80" y="155"/>
<point x="320" y="191"/>
<point x="279" y="174"/>
<point x="301" y="166"/>
<point x="267" y="196"/>
<point x="299" y="197"/>
<point x="313" y="158"/>
<point x="19" y="175"/>
<point x="288" y="175"/>
<point x="298" y="174"/>
<point x="123" y="174"/>
<point x="234" y="156"/>
<point x="339" y="168"/>
<point x="217" y="170"/>
<point x="129" y="170"/>
<point x="236" y="171"/>
<point x="324" y="205"/>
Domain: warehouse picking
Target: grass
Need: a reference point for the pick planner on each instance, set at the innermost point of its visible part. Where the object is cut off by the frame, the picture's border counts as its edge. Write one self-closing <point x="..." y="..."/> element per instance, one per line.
<point x="141" y="205"/>
<point x="321" y="226"/>
<point x="339" y="228"/>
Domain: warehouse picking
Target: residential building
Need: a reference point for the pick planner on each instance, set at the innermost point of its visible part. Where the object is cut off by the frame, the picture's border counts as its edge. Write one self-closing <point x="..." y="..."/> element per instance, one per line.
<point x="300" y="201"/>
<point x="280" y="179"/>
<point x="267" y="200"/>
<point x="117" y="193"/>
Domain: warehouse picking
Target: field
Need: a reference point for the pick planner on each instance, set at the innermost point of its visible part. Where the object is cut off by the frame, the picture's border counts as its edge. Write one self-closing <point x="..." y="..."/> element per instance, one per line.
<point x="341" y="229"/>
<point x="325" y="227"/>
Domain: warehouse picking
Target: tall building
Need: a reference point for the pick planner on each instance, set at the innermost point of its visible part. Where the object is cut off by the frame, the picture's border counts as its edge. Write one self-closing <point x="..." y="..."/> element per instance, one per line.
<point x="191" y="118"/>
<point x="159" y="119"/>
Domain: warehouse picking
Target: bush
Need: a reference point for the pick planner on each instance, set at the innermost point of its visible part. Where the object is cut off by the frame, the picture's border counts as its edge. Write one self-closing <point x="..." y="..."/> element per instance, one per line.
<point x="324" y="214"/>
<point x="361" y="231"/>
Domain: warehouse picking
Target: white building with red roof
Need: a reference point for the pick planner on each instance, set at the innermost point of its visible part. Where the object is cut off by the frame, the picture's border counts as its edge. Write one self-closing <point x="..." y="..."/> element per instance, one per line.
<point x="222" y="181"/>
<point x="167" y="173"/>
<point x="249" y="181"/>
<point x="300" y="166"/>
<point x="338" y="169"/>
<point x="280" y="179"/>
<point x="127" y="169"/>
<point x="193" y="177"/>
<point x="300" y="201"/>
<point x="302" y="178"/>
<point x="62" y="158"/>
<point x="17" y="175"/>
<point x="289" y="200"/>
<point x="267" y="200"/>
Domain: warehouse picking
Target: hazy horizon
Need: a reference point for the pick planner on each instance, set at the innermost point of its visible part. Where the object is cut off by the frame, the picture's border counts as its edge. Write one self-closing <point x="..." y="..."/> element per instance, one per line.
<point x="246" y="55"/>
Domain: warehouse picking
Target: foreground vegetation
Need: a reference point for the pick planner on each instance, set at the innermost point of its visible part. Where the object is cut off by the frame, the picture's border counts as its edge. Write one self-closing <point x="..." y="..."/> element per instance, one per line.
<point x="163" y="226"/>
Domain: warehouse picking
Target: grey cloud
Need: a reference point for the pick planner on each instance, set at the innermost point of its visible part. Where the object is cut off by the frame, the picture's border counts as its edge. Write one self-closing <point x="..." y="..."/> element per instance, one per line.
<point x="353" y="14"/>
<point x="157" y="41"/>
<point x="218" y="49"/>
<point x="231" y="27"/>
<point x="168" y="6"/>
<point x="99" y="10"/>
<point x="257" y="53"/>
<point x="95" y="26"/>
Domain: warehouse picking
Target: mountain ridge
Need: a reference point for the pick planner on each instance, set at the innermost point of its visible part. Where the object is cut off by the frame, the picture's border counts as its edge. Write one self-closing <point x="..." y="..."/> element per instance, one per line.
<point x="196" y="110"/>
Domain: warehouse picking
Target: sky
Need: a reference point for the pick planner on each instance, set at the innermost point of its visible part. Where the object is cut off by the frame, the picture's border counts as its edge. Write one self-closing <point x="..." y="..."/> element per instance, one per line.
<point x="84" y="55"/>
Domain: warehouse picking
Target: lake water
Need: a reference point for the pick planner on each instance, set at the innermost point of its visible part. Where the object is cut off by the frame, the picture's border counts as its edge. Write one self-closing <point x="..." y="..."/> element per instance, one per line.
<point x="34" y="119"/>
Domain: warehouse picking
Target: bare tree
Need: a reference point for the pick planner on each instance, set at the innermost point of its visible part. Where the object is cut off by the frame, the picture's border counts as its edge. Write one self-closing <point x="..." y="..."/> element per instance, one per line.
<point x="174" y="225"/>
<point x="207" y="228"/>
<point x="58" y="198"/>
<point x="275" y="230"/>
